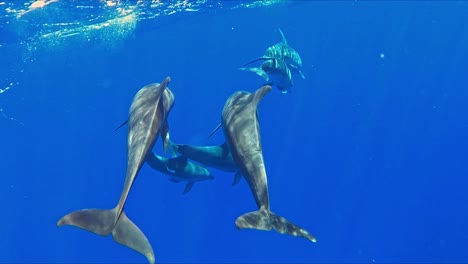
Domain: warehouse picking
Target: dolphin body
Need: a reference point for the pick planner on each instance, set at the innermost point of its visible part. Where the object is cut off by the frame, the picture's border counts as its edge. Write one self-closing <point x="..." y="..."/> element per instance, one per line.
<point x="180" y="169"/>
<point x="239" y="121"/>
<point x="280" y="62"/>
<point x="275" y="72"/>
<point x="283" y="50"/>
<point x="290" y="56"/>
<point x="147" y="119"/>
<point x="218" y="157"/>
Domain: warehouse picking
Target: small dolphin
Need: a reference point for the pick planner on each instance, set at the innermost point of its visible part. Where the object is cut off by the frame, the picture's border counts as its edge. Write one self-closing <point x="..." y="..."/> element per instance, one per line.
<point x="239" y="121"/>
<point x="180" y="169"/>
<point x="147" y="119"/>
<point x="284" y="51"/>
<point x="218" y="157"/>
<point x="275" y="72"/>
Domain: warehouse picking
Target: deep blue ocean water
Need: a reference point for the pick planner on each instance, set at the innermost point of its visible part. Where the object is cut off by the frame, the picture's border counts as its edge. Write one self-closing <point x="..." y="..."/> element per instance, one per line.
<point x="368" y="153"/>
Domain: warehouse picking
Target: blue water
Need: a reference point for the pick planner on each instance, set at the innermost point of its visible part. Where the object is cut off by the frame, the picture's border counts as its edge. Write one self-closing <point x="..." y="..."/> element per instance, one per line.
<point x="369" y="152"/>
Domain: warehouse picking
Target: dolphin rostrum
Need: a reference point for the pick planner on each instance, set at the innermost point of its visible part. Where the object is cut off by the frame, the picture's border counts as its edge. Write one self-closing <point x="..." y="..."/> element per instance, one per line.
<point x="147" y="119"/>
<point x="240" y="124"/>
<point x="180" y="169"/>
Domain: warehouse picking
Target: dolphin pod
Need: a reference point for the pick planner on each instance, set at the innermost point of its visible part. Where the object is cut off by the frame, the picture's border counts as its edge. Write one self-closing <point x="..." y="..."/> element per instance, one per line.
<point x="147" y="119"/>
<point x="239" y="121"/>
<point x="241" y="153"/>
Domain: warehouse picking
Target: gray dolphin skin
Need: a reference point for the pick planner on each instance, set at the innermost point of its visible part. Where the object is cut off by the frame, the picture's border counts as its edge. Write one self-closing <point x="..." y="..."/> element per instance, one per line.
<point x="218" y="157"/>
<point x="275" y="72"/>
<point x="180" y="169"/>
<point x="239" y="121"/>
<point x="147" y="119"/>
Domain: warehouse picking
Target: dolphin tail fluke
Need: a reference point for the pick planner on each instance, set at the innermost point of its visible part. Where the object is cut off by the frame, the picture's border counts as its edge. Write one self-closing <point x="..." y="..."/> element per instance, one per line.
<point x="259" y="220"/>
<point x="283" y="226"/>
<point x="266" y="220"/>
<point x="103" y="222"/>
<point x="128" y="234"/>
<point x="258" y="71"/>
<point x="98" y="221"/>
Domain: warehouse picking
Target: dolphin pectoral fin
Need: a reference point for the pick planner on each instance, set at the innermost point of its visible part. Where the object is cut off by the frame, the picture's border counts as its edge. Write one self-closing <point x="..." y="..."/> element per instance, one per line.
<point x="128" y="234"/>
<point x="188" y="187"/>
<point x="237" y="178"/>
<point x="302" y="75"/>
<point x="165" y="136"/>
<point x="259" y="59"/>
<point x="283" y="226"/>
<point x="258" y="71"/>
<point x="214" y="130"/>
<point x="98" y="221"/>
<point x="121" y="125"/>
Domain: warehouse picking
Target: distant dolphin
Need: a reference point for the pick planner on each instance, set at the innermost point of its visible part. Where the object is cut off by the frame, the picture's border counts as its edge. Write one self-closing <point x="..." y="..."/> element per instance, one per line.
<point x="283" y="50"/>
<point x="147" y="119"/>
<point x="218" y="157"/>
<point x="275" y="72"/>
<point x="241" y="128"/>
<point x="180" y="169"/>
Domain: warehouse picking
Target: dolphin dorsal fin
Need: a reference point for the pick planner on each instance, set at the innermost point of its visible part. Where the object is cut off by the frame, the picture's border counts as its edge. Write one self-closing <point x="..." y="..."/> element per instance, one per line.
<point x="214" y="130"/>
<point x="283" y="38"/>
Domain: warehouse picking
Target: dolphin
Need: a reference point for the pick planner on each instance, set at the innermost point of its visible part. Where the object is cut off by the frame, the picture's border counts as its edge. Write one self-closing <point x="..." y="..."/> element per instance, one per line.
<point x="168" y="99"/>
<point x="180" y="169"/>
<point x="239" y="121"/>
<point x="284" y="51"/>
<point x="218" y="157"/>
<point x="147" y="119"/>
<point x="275" y="72"/>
